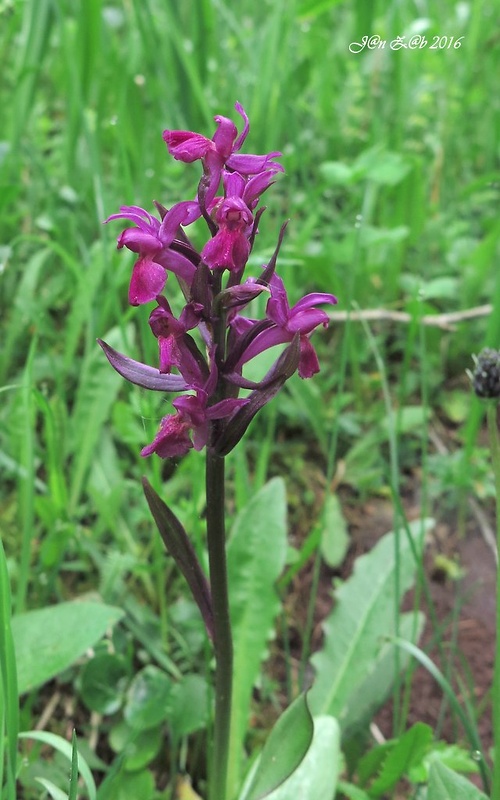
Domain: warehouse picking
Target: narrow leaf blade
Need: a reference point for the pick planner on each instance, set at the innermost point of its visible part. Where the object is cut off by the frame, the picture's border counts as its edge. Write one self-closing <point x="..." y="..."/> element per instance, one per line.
<point x="182" y="551"/>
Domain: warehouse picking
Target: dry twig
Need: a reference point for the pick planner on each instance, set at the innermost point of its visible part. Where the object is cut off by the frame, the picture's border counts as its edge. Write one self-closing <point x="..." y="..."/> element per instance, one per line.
<point x="446" y="322"/>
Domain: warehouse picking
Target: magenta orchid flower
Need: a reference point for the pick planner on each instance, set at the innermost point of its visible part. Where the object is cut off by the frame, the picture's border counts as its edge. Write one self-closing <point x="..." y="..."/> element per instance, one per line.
<point x="218" y="152"/>
<point x="177" y="348"/>
<point x="205" y="347"/>
<point x="286" y="322"/>
<point x="193" y="416"/>
<point x="230" y="247"/>
<point x="152" y="239"/>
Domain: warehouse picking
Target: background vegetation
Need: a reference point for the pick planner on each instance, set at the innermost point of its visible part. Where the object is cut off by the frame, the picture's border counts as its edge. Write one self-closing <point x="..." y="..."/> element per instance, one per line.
<point x="392" y="187"/>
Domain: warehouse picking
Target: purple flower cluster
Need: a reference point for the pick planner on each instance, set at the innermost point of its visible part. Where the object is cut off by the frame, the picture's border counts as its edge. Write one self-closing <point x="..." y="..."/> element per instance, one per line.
<point x="210" y="366"/>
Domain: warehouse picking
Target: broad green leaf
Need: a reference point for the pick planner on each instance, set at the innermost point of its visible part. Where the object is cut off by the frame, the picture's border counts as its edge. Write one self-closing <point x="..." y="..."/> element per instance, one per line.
<point x="334" y="534"/>
<point x="137" y="748"/>
<point x="130" y="786"/>
<point x="444" y="784"/>
<point x="336" y="172"/>
<point x="102" y="683"/>
<point x="376" y="687"/>
<point x="382" y="166"/>
<point x="49" y="640"/>
<point x="317" y="775"/>
<point x="256" y="556"/>
<point x="148" y="698"/>
<point x="284" y="749"/>
<point x="66" y="749"/>
<point x="188" y="706"/>
<point x="443" y="287"/>
<point x="362" y="617"/>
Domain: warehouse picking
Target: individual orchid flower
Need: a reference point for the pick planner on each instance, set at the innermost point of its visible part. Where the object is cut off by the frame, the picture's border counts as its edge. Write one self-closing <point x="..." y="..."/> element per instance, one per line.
<point x="218" y="152"/>
<point x="193" y="416"/>
<point x="286" y="322"/>
<point x="177" y="348"/>
<point x="152" y="239"/>
<point x="230" y="247"/>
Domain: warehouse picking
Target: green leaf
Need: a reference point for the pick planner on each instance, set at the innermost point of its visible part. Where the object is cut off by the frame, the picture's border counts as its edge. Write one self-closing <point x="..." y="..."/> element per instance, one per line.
<point x="444" y="784"/>
<point x="284" y="749"/>
<point x="406" y="751"/>
<point x="188" y="706"/>
<point x="451" y="755"/>
<point x="138" y="748"/>
<point x="351" y="791"/>
<point x="102" y="683"/>
<point x="336" y="172"/>
<point x="334" y="535"/>
<point x="361" y="618"/>
<point x="256" y="556"/>
<point x="376" y="687"/>
<point x="52" y="789"/>
<point x="58" y="635"/>
<point x="130" y="786"/>
<point x="148" y="698"/>
<point x="182" y="551"/>
<point x="382" y="166"/>
<point x="317" y="775"/>
<point x="66" y="749"/>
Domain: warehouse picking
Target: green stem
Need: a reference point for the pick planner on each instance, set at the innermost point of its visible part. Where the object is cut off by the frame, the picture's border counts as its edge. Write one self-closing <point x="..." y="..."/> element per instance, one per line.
<point x="495" y="455"/>
<point x="223" y="645"/>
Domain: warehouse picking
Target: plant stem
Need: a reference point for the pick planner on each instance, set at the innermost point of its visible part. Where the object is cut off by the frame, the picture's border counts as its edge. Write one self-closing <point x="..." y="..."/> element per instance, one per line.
<point x="495" y="456"/>
<point x="223" y="645"/>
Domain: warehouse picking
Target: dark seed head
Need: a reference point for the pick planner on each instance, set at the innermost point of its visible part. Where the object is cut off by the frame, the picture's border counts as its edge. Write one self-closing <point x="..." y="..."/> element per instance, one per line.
<point x="486" y="375"/>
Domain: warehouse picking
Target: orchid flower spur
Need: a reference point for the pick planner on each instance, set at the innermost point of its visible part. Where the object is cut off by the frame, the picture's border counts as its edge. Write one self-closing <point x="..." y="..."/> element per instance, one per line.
<point x="203" y="346"/>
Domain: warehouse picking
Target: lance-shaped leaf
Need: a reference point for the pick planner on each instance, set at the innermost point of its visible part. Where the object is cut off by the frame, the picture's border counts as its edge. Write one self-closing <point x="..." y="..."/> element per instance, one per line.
<point x="283" y="369"/>
<point x="180" y="548"/>
<point x="142" y="374"/>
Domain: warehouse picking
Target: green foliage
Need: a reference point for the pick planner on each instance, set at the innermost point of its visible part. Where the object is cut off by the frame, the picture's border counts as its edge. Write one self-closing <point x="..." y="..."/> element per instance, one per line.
<point x="256" y="556"/>
<point x="362" y="619"/>
<point x="392" y="191"/>
<point x="284" y="750"/>
<point x="70" y="753"/>
<point x="444" y="784"/>
<point x="58" y="635"/>
<point x="334" y="535"/>
<point x="317" y="775"/>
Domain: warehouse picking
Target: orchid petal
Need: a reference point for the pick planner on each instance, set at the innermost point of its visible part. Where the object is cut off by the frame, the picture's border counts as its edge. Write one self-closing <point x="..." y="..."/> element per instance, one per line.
<point x="187" y="146"/>
<point x="147" y="281"/>
<point x="141" y="374"/>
